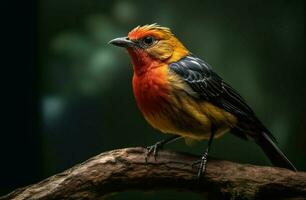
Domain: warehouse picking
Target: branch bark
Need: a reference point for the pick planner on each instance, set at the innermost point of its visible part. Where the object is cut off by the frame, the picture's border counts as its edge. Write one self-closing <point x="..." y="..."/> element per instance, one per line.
<point x="126" y="169"/>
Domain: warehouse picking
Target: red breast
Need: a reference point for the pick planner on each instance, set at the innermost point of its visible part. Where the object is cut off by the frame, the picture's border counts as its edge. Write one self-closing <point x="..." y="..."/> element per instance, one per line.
<point x="151" y="89"/>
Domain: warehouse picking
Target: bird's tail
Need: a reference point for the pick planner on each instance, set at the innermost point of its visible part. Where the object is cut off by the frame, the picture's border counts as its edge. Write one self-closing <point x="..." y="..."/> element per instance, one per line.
<point x="275" y="155"/>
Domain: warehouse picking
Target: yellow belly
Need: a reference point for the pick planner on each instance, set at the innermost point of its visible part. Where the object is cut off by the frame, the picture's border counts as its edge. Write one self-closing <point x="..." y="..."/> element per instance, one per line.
<point x="191" y="118"/>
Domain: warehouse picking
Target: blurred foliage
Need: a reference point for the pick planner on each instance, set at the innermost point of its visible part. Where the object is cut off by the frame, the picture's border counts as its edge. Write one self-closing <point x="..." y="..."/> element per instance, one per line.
<point x="87" y="102"/>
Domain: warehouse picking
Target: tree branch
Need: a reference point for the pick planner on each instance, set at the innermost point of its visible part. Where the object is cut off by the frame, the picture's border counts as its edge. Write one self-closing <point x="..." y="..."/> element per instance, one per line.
<point x="126" y="169"/>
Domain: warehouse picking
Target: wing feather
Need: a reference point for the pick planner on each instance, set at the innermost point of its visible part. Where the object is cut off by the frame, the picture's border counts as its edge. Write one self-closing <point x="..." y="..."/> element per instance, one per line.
<point x="209" y="86"/>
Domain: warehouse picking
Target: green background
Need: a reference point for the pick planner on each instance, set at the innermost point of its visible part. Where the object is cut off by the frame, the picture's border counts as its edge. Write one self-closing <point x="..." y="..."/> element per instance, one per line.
<point x="85" y="101"/>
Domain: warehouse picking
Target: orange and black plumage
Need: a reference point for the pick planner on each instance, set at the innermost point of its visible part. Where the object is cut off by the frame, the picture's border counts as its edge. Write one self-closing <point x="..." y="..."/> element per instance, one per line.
<point x="180" y="94"/>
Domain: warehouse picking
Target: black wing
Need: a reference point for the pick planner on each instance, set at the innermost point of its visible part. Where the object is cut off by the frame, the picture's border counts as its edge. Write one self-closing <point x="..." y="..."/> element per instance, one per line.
<point x="209" y="86"/>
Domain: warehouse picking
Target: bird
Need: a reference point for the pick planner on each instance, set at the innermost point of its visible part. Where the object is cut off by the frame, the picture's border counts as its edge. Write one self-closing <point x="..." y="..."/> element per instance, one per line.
<point x="181" y="95"/>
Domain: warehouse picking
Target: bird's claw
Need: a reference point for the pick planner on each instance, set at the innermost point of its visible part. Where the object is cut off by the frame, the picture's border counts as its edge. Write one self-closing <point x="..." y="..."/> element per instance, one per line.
<point x="202" y="167"/>
<point x="153" y="149"/>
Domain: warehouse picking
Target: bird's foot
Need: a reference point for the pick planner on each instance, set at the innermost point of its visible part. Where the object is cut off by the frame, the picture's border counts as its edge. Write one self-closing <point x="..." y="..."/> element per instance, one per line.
<point x="153" y="150"/>
<point x="202" y="167"/>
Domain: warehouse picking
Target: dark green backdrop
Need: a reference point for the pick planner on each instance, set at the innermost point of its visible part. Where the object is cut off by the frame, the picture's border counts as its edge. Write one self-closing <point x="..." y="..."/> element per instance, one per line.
<point x="82" y="86"/>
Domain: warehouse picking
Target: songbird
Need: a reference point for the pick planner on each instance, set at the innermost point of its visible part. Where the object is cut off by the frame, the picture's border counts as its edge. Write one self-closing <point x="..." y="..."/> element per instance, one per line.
<point x="180" y="94"/>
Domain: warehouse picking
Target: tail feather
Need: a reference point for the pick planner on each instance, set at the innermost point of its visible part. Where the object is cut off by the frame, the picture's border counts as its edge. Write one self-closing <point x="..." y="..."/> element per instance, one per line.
<point x="275" y="155"/>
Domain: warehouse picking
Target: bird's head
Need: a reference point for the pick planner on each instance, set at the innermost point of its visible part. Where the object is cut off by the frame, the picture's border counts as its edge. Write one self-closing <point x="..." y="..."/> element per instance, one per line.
<point x="151" y="44"/>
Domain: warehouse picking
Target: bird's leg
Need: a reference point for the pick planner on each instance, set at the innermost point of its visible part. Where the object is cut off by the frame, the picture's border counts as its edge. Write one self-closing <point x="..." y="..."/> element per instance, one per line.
<point x="203" y="161"/>
<point x="158" y="145"/>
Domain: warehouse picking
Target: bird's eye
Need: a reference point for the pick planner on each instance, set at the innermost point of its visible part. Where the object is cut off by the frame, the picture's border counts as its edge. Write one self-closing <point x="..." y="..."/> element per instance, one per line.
<point x="148" y="41"/>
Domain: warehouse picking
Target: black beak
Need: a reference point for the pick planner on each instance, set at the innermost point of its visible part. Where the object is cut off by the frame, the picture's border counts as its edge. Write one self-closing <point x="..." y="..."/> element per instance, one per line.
<point x="122" y="42"/>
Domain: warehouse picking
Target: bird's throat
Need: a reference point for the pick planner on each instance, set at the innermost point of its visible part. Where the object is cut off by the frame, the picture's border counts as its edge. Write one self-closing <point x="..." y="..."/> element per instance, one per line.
<point x="142" y="61"/>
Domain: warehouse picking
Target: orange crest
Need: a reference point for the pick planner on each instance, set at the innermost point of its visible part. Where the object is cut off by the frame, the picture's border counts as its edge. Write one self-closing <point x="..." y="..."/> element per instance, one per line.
<point x="155" y="30"/>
